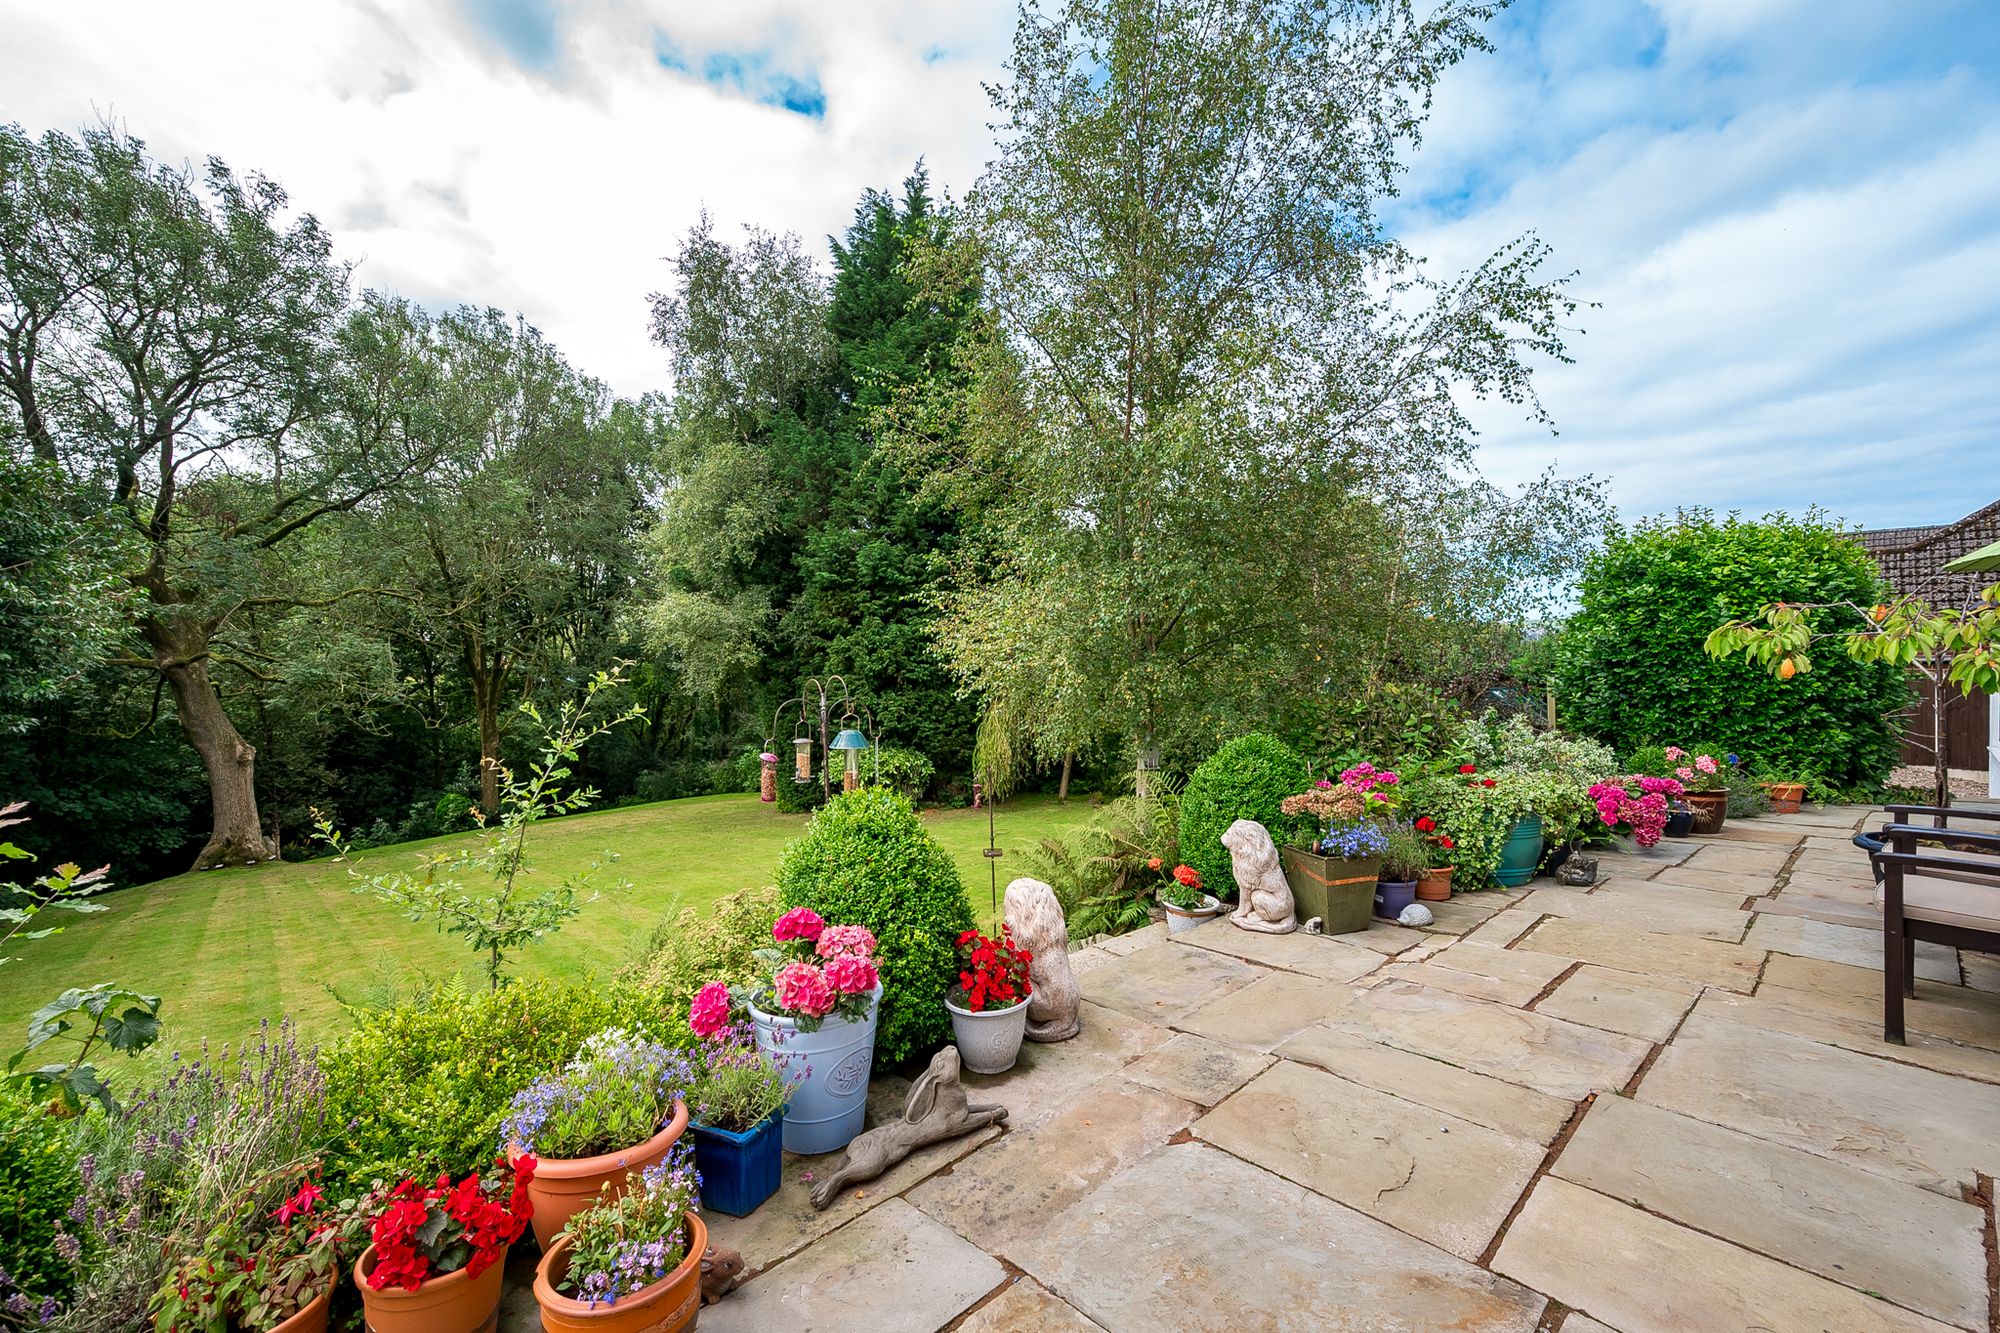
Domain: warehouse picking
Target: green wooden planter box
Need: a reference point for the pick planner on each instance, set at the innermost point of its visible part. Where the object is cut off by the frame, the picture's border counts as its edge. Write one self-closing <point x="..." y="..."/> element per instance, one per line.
<point x="1339" y="892"/>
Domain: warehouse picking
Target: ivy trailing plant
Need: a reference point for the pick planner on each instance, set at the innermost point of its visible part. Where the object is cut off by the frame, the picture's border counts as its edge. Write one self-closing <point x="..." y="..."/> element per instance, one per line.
<point x="503" y="920"/>
<point x="1635" y="664"/>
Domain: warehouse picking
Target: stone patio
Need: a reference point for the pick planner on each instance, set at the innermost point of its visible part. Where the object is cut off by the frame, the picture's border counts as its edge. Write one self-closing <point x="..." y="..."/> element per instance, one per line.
<point x="1662" y="1104"/>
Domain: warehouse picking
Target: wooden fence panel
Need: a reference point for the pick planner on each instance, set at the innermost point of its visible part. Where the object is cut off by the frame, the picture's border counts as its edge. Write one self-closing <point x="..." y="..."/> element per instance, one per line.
<point x="1965" y="729"/>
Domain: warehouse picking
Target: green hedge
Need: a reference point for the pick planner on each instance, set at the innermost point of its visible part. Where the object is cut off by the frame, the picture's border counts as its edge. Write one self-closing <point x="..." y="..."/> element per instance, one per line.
<point x="867" y="859"/>
<point x="1245" y="779"/>
<point x="38" y="1183"/>
<point x="1630" y="669"/>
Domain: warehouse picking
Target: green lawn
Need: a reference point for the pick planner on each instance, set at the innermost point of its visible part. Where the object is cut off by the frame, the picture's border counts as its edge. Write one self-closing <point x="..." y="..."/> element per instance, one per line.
<point x="229" y="947"/>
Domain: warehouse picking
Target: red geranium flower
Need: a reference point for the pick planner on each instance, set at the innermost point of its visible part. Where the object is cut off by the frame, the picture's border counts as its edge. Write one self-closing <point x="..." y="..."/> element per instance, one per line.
<point x="1486" y="782"/>
<point x="1467" y="768"/>
<point x="1425" y="824"/>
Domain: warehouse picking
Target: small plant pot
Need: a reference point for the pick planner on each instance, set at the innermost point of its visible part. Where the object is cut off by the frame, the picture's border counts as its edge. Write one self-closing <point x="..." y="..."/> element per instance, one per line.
<point x="1435" y="886"/>
<point x="563" y="1187"/>
<point x="313" y="1318"/>
<point x="1392" y="896"/>
<point x="1340" y="892"/>
<point x="453" y="1303"/>
<point x="1521" y="853"/>
<point x="1680" y="821"/>
<point x="667" y="1306"/>
<point x="1180" y="920"/>
<point x="990" y="1041"/>
<point x="1787" y="797"/>
<point x="1710" y="809"/>
<point x="739" y="1171"/>
<point x="828" y="1104"/>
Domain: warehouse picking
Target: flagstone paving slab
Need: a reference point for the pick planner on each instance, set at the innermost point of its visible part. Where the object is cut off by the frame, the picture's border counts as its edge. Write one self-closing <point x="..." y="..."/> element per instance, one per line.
<point x="1846" y="944"/>
<point x="1896" y="1120"/>
<point x="1918" y="1249"/>
<point x="1326" y="956"/>
<point x="1525" y="965"/>
<point x="1666" y="852"/>
<point x="1736" y="831"/>
<point x="1387" y="938"/>
<point x="1501" y="929"/>
<point x="1583" y="1323"/>
<point x="892" y="1271"/>
<point x="1500" y="990"/>
<point x="1780" y="1010"/>
<point x="1600" y="997"/>
<point x="1833" y="911"/>
<point x="1001" y="1198"/>
<point x="1958" y="1013"/>
<point x="1739" y="858"/>
<point x="1666" y="890"/>
<point x="1495" y="1103"/>
<point x="1195" y="1240"/>
<point x="1643" y="1274"/>
<point x="1982" y="970"/>
<point x="1733" y="883"/>
<point x="1682" y="957"/>
<point x="1196" y="1069"/>
<point x="1047" y="1074"/>
<point x="1442" y="1179"/>
<point x="1465" y="912"/>
<point x="1857" y="889"/>
<point x="1027" y="1307"/>
<point x="1268" y="1010"/>
<point x="1560" y="1058"/>
<point x="1133" y="941"/>
<point x="1167" y="983"/>
<point x="1663" y="915"/>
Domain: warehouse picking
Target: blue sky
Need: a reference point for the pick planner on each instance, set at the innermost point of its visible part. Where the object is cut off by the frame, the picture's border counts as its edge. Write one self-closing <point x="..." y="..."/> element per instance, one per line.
<point x="1788" y="211"/>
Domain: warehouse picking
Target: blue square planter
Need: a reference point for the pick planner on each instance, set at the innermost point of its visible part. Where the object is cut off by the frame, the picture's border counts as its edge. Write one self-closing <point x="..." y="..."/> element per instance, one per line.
<point x="739" y="1171"/>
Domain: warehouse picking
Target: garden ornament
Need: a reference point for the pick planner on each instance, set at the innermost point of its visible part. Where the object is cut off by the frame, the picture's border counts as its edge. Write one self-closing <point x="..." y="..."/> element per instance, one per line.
<point x="1315" y="925"/>
<point x="937" y="1110"/>
<point x="1577" y="871"/>
<point x="1416" y="914"/>
<point x="720" y="1267"/>
<point x="1055" y="1001"/>
<point x="1267" y="906"/>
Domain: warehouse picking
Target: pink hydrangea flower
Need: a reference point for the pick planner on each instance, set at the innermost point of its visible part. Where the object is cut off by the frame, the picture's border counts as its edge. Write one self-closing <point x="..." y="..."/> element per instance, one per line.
<point x="851" y="975"/>
<point x="1706" y="763"/>
<point x="803" y="989"/>
<point x="801" y="923"/>
<point x="709" y="1013"/>
<point x="847" y="941"/>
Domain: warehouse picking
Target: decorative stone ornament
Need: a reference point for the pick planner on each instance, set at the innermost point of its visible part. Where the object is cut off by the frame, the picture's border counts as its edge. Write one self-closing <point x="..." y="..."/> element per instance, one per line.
<point x="720" y="1268"/>
<point x="1265" y="897"/>
<point x="1035" y="917"/>
<point x="937" y="1110"/>
<point x="1416" y="914"/>
<point x="1577" y="871"/>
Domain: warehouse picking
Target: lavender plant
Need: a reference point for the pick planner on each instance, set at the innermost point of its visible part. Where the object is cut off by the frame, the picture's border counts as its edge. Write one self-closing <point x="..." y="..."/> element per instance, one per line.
<point x="624" y="1246"/>
<point x="618" y="1091"/>
<point x="737" y="1086"/>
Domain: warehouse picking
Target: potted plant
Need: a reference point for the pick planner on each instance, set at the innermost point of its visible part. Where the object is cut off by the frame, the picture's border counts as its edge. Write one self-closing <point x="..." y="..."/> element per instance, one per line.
<point x="1680" y="818"/>
<point x="816" y="1015"/>
<point x="1638" y="806"/>
<point x="1406" y="858"/>
<point x="435" y="1256"/>
<point x="989" y="1006"/>
<point x="1184" y="901"/>
<point x="613" y="1111"/>
<point x="631" y="1264"/>
<point x="1434" y="885"/>
<point x="1787" y="791"/>
<point x="1327" y="884"/>
<point x="738" y="1109"/>
<point x="268" y="1262"/>
<point x="1706" y="786"/>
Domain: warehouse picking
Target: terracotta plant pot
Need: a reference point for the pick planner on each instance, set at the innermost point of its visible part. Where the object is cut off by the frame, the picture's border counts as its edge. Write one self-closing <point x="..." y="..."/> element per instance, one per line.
<point x="1710" y="809"/>
<point x="1435" y="885"/>
<point x="1786" y="797"/>
<point x="453" y="1303"/>
<point x="564" y="1187"/>
<point x="667" y="1306"/>
<point x="313" y="1318"/>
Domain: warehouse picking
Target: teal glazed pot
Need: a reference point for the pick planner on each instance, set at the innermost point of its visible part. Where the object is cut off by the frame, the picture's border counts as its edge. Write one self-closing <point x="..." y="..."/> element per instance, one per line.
<point x="1521" y="853"/>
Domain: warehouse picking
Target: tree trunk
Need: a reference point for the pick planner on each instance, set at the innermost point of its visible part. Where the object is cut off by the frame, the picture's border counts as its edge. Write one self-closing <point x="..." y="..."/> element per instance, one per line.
<point x="486" y="687"/>
<point x="1062" y="792"/>
<point x="231" y="761"/>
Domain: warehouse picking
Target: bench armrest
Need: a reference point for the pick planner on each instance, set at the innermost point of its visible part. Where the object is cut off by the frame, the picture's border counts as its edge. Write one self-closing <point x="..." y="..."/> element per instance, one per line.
<point x="1952" y="812"/>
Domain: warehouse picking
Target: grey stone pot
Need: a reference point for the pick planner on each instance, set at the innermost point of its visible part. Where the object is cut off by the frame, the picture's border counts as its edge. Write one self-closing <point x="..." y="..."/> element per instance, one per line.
<point x="989" y="1041"/>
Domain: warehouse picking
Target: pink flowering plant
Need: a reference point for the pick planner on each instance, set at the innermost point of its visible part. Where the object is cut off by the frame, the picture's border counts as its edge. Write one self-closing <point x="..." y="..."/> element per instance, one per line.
<point x="1697" y="772"/>
<point x="816" y="970"/>
<point x="1637" y="805"/>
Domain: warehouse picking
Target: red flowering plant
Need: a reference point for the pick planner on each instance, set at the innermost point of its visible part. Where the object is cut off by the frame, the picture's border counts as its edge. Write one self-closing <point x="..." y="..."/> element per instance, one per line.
<point x="276" y="1247"/>
<point x="427" y="1231"/>
<point x="1182" y="888"/>
<point x="816" y="969"/>
<point x="993" y="973"/>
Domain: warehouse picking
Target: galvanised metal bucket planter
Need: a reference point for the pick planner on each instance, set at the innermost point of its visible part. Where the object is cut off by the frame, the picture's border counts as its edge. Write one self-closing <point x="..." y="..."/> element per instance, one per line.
<point x="1521" y="853"/>
<point x="828" y="1072"/>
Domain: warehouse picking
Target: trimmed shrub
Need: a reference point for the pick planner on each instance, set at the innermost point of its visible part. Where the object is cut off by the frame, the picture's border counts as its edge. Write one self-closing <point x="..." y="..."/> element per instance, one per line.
<point x="866" y="859"/>
<point x="693" y="946"/>
<point x="1630" y="668"/>
<point x="423" y="1085"/>
<point x="1245" y="779"/>
<point x="906" y="771"/>
<point x="38" y="1183"/>
<point x="799" y="798"/>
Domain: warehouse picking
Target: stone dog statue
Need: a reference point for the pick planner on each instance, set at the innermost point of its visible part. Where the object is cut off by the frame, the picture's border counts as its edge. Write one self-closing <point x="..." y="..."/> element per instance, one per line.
<point x="1266" y="905"/>
<point x="937" y="1110"/>
<point x="1036" y="918"/>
